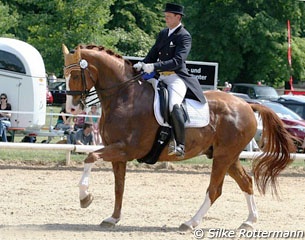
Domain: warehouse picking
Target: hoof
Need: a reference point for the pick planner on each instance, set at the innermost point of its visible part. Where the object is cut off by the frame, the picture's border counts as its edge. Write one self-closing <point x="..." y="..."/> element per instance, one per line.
<point x="246" y="226"/>
<point x="86" y="201"/>
<point x="185" y="228"/>
<point x="105" y="224"/>
<point x="109" y="222"/>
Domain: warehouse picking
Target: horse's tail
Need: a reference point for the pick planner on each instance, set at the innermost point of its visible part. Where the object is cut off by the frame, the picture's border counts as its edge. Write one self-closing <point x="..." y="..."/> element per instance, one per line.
<point x="277" y="144"/>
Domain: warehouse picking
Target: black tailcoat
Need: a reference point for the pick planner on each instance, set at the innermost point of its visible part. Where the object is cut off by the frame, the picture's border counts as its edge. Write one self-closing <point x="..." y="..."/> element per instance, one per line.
<point x="170" y="54"/>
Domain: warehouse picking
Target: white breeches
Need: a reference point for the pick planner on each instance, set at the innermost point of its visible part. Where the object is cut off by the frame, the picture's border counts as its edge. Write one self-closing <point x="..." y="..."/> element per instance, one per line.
<point x="176" y="89"/>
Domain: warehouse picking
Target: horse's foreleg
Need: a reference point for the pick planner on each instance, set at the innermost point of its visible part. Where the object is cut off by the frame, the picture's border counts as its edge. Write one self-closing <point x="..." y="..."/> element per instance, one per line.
<point x="244" y="181"/>
<point x="213" y="192"/>
<point x="109" y="153"/>
<point x="85" y="197"/>
<point x="119" y="170"/>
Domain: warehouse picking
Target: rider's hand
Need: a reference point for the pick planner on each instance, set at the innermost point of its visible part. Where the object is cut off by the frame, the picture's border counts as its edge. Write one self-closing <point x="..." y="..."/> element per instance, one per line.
<point x="138" y="66"/>
<point x="148" y="68"/>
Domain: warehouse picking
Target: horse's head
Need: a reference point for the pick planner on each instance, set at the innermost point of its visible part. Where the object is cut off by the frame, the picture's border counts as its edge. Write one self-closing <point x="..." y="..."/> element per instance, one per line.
<point x="79" y="77"/>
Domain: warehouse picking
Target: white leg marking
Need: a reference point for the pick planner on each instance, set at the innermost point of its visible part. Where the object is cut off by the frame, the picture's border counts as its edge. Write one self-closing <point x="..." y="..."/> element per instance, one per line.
<point x="112" y="220"/>
<point x="253" y="214"/>
<point x="197" y="219"/>
<point x="84" y="181"/>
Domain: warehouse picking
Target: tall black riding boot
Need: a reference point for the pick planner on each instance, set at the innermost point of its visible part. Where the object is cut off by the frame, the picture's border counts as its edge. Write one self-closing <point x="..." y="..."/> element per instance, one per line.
<point x="177" y="121"/>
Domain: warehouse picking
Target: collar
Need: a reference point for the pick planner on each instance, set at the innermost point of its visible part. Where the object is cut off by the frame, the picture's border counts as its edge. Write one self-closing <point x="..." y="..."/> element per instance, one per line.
<point x="170" y="31"/>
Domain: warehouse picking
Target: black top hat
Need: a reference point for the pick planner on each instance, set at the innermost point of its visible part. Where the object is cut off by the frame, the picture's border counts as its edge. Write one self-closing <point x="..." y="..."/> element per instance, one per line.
<point x="174" y="8"/>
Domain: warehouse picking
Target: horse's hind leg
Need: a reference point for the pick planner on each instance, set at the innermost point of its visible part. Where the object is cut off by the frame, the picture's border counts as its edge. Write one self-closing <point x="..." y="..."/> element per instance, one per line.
<point x="238" y="173"/>
<point x="213" y="192"/>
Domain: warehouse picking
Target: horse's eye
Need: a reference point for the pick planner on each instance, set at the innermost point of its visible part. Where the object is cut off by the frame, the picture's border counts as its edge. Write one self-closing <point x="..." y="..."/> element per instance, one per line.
<point x="75" y="77"/>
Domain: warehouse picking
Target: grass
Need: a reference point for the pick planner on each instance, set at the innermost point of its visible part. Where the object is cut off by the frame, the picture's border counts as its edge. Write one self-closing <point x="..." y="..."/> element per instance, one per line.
<point x="38" y="156"/>
<point x="43" y="157"/>
<point x="59" y="156"/>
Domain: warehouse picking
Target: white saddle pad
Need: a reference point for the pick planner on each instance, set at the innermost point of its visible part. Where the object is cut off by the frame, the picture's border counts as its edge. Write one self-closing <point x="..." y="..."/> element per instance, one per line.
<point x="199" y="113"/>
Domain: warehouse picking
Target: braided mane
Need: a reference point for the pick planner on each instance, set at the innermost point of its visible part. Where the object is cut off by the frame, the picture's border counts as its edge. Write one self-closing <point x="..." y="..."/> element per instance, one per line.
<point x="102" y="48"/>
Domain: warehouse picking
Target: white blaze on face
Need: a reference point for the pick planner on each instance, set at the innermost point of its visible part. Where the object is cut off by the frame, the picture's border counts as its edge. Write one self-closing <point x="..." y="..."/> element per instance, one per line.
<point x="69" y="104"/>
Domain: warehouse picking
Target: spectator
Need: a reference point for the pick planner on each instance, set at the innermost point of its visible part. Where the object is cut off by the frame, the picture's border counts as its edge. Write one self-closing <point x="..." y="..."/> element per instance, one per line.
<point x="5" y="121"/>
<point x="94" y="120"/>
<point x="79" y="121"/>
<point x="82" y="136"/>
<point x="63" y="121"/>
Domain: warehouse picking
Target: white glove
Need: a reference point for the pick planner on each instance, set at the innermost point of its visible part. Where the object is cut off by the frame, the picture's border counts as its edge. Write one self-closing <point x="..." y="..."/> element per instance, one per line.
<point x="148" y="68"/>
<point x="138" y="66"/>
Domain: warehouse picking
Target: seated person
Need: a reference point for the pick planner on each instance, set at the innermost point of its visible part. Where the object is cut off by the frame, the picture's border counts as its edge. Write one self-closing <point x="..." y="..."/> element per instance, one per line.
<point x="83" y="136"/>
<point x="63" y="121"/>
<point x="79" y="121"/>
<point x="97" y="140"/>
<point x="5" y="122"/>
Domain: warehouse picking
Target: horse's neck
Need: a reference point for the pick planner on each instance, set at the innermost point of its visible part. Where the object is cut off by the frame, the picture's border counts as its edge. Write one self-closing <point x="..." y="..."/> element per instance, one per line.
<point x="128" y="100"/>
<point x="108" y="80"/>
<point x="116" y="85"/>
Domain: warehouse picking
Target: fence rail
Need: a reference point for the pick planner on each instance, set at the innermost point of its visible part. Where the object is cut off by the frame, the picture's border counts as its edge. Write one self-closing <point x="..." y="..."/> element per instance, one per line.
<point x="85" y="148"/>
<point x="68" y="148"/>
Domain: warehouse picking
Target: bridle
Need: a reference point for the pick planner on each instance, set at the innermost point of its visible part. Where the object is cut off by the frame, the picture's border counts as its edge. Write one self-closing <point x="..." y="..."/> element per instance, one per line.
<point x="83" y="66"/>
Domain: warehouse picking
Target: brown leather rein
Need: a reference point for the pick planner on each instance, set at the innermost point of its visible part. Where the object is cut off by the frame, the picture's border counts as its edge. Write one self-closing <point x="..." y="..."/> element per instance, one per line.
<point x="83" y="66"/>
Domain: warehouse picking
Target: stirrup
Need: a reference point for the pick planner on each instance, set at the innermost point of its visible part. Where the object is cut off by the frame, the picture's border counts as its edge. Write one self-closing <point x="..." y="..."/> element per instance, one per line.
<point x="174" y="149"/>
<point x="180" y="150"/>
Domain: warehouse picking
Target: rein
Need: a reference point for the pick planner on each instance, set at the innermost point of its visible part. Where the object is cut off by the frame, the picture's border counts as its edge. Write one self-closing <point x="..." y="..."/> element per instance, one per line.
<point x="83" y="66"/>
<point x="133" y="79"/>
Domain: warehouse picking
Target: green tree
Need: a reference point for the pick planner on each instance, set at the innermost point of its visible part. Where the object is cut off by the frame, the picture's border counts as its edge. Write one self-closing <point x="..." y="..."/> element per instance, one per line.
<point x="47" y="24"/>
<point x="8" y="20"/>
<point x="247" y="38"/>
<point x="135" y="24"/>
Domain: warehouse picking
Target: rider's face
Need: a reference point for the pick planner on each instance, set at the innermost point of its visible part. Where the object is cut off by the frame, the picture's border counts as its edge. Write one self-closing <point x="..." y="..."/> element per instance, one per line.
<point x="172" y="20"/>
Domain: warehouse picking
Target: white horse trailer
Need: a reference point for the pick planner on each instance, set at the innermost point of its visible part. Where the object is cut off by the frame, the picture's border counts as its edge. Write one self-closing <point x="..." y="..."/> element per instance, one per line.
<point x="23" y="79"/>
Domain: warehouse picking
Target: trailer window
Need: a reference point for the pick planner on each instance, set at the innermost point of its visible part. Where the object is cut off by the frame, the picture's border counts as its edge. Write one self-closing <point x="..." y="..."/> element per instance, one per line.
<point x="10" y="62"/>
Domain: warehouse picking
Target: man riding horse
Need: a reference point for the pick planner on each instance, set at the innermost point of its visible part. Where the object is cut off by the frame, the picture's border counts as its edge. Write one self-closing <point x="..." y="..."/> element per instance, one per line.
<point x="168" y="57"/>
<point x="128" y="125"/>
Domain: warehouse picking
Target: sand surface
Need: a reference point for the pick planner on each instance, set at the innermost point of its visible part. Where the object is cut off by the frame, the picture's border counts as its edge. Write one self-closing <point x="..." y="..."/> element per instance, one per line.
<point x="41" y="202"/>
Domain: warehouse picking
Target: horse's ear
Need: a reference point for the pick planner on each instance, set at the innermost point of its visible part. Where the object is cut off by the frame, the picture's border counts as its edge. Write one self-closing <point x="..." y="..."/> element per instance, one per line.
<point x="79" y="56"/>
<point x="65" y="49"/>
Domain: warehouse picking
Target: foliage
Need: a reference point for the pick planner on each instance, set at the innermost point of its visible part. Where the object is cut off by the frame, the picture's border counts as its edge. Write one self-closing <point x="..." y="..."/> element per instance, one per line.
<point x="47" y="24"/>
<point x="247" y="38"/>
<point x="135" y="23"/>
<point x="8" y="20"/>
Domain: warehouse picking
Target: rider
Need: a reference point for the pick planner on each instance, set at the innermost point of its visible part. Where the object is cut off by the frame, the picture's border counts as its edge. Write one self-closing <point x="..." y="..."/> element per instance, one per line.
<point x="167" y="57"/>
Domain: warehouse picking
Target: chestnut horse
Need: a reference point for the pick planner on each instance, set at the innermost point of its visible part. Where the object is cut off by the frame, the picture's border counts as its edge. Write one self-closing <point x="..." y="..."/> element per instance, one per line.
<point x="128" y="129"/>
